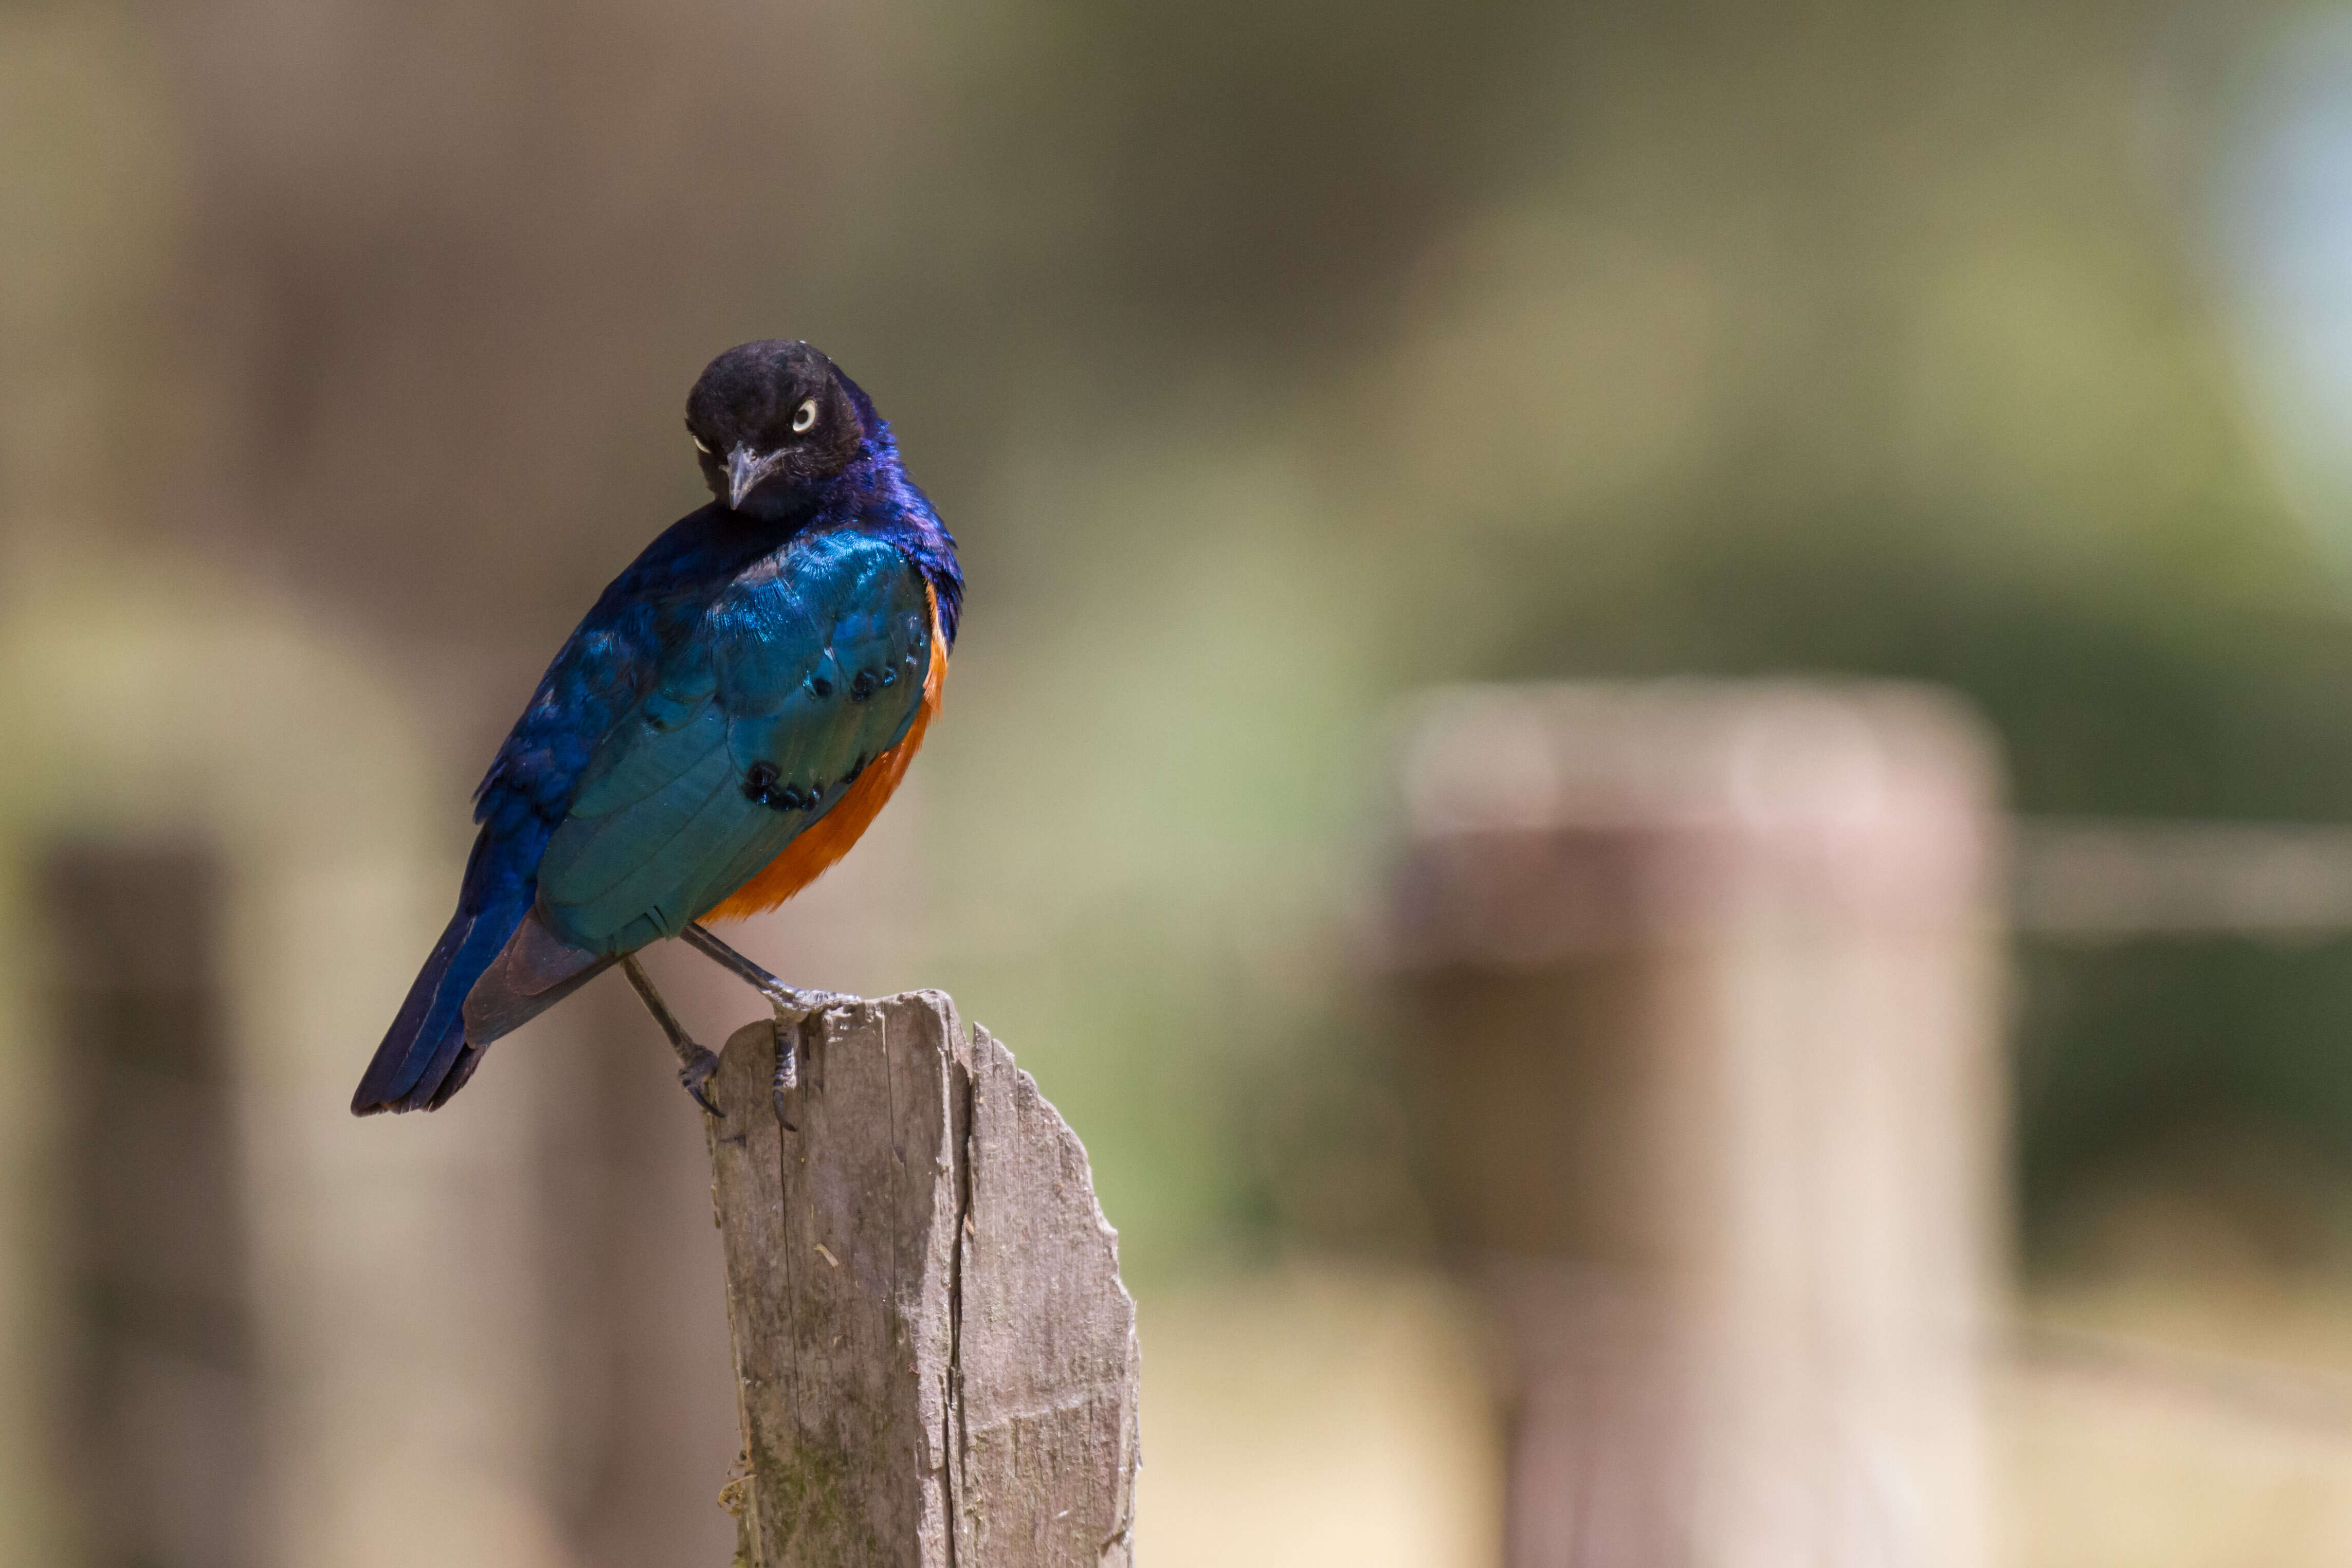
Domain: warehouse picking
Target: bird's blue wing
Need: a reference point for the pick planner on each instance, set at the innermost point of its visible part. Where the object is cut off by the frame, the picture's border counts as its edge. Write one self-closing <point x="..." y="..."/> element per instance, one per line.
<point x="759" y="716"/>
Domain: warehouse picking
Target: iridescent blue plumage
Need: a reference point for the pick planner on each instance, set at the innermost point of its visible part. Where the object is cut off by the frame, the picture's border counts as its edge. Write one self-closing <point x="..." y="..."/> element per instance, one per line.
<point x="807" y="666"/>
<point x="718" y="699"/>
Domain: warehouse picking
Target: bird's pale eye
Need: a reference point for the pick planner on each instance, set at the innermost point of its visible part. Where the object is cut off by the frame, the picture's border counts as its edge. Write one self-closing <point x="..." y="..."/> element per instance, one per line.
<point x="698" y="445"/>
<point x="803" y="417"/>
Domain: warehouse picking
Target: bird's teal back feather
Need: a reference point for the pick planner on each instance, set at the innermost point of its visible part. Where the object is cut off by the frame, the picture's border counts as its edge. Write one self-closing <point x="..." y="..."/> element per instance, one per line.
<point x="800" y="674"/>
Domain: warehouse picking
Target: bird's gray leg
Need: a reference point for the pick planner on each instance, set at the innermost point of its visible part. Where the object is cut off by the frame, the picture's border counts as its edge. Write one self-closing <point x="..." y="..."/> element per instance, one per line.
<point x="696" y="1065"/>
<point x="793" y="1008"/>
<point x="791" y="1005"/>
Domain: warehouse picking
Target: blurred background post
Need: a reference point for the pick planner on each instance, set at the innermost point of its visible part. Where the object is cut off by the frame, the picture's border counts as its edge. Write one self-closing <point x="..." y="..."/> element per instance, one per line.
<point x="1705" y="1005"/>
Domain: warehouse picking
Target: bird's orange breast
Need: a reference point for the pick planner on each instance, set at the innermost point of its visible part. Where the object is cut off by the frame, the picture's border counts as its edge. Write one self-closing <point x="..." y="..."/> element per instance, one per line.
<point x="829" y="838"/>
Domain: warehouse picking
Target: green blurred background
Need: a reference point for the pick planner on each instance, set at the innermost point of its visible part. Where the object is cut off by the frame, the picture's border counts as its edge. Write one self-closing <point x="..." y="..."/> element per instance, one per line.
<point x="1271" y="362"/>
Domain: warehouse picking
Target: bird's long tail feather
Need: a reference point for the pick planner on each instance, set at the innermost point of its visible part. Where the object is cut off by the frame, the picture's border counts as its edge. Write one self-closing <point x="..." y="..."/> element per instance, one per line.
<point x="424" y="1058"/>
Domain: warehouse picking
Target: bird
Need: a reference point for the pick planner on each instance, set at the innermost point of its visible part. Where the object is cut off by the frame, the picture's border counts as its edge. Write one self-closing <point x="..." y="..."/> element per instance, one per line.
<point x="714" y="735"/>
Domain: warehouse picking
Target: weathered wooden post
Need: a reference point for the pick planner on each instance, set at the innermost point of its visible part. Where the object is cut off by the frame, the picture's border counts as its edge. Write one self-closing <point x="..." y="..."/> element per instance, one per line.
<point x="936" y="1363"/>
<point x="1706" y="991"/>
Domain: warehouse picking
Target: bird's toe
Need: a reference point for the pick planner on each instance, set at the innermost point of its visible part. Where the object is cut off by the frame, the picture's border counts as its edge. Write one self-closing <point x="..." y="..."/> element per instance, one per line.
<point x="696" y="1075"/>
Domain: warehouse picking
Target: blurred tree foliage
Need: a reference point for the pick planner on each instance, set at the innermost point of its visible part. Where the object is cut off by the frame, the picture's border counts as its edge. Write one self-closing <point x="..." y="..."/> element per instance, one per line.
<point x="1271" y="360"/>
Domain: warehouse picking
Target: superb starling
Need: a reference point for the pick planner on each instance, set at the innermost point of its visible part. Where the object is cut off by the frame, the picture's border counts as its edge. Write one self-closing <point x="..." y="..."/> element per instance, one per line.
<point x="716" y="733"/>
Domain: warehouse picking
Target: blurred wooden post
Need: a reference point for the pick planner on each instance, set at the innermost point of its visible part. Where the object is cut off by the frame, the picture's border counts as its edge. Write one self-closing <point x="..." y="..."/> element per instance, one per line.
<point x="1707" y="998"/>
<point x="936" y="1360"/>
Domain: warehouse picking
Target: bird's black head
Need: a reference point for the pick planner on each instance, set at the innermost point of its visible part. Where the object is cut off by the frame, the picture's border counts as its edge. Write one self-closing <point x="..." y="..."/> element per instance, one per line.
<point x="771" y="421"/>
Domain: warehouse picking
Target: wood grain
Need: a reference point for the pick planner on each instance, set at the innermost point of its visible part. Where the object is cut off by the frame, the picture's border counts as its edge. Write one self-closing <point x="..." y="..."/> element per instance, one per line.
<point x="935" y="1362"/>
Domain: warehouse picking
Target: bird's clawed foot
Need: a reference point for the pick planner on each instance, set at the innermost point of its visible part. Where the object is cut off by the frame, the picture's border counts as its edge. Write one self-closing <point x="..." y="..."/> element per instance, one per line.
<point x="788" y="1073"/>
<point x="696" y="1073"/>
<point x="797" y="1007"/>
<point x="795" y="1011"/>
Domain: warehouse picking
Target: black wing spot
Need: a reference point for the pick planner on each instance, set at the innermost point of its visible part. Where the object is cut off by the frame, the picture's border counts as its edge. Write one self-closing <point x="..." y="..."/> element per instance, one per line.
<point x="863" y="687"/>
<point x="890" y="676"/>
<point x="760" y="785"/>
<point x="821" y="686"/>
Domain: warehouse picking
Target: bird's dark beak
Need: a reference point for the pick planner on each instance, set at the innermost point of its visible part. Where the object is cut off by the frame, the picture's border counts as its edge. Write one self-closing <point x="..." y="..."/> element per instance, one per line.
<point x="745" y="469"/>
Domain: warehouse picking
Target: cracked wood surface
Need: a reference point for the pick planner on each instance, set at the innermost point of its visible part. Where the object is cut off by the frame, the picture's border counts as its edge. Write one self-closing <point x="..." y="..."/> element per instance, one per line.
<point x="936" y="1364"/>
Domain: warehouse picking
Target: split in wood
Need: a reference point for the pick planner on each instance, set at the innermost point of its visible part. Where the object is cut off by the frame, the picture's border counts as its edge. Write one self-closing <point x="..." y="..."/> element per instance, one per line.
<point x="958" y="1383"/>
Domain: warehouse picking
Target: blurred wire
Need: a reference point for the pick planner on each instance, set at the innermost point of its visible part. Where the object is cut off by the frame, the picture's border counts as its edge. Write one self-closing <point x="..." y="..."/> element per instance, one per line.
<point x="2095" y="879"/>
